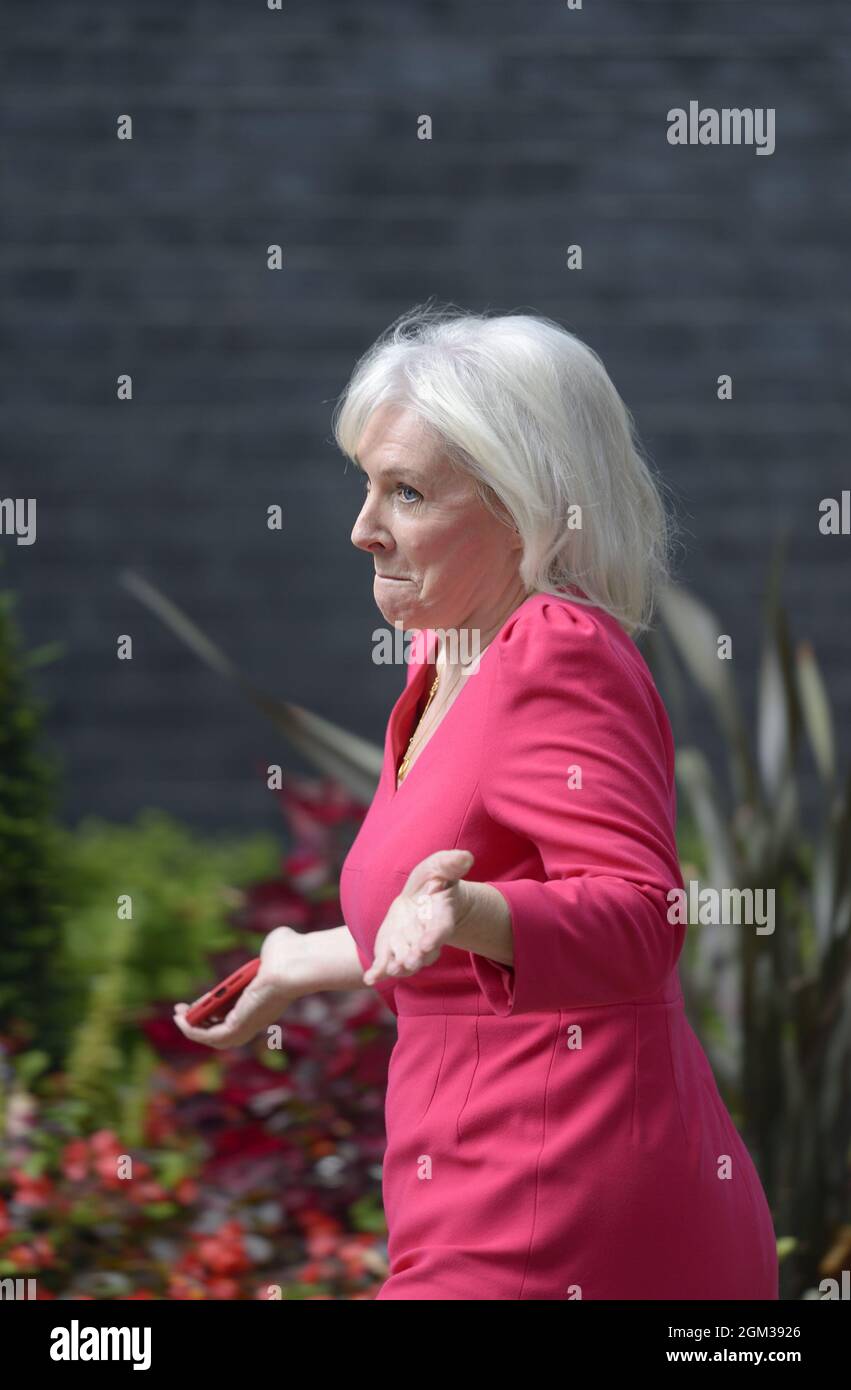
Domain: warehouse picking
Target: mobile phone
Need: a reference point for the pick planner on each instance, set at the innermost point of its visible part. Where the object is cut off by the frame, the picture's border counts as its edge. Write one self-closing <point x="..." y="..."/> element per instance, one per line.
<point x="212" y="1007"/>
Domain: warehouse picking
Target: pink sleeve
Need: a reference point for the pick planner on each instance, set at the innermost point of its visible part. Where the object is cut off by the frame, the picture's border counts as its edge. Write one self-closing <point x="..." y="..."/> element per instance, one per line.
<point x="578" y="763"/>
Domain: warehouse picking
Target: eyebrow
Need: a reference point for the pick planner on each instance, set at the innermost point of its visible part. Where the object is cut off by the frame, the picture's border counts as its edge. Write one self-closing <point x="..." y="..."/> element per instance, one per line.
<point x="389" y="468"/>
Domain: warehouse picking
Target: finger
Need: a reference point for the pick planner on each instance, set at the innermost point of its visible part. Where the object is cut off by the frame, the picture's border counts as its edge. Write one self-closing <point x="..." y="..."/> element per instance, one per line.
<point x="388" y="960"/>
<point x="220" y="1035"/>
<point x="208" y="1037"/>
<point x="229" y="1024"/>
<point x="395" y="950"/>
<point x="424" y="956"/>
<point x="413" y="957"/>
<point x="400" y="949"/>
<point x="376" y="970"/>
<point x="411" y="950"/>
<point x="444" y="866"/>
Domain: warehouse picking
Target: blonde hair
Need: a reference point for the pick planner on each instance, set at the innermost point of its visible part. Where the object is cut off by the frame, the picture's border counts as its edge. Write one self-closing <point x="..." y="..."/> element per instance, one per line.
<point x="530" y="412"/>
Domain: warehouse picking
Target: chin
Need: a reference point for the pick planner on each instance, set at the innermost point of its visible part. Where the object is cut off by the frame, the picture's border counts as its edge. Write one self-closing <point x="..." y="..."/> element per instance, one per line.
<point x="398" y="613"/>
<point x="406" y="613"/>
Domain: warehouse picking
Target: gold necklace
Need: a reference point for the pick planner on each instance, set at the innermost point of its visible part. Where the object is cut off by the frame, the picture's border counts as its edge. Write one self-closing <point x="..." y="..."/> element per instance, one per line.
<point x="403" y="766"/>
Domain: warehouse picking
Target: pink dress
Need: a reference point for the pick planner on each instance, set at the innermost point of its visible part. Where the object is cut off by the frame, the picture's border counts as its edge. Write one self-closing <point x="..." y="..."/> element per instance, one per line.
<point x="554" y="1129"/>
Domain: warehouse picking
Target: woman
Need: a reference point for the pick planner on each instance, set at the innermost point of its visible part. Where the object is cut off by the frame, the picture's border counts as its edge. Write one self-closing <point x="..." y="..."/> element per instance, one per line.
<point x="554" y="1130"/>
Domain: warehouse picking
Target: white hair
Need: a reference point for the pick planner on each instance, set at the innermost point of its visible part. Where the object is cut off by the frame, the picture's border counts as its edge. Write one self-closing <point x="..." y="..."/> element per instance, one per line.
<point x="530" y="412"/>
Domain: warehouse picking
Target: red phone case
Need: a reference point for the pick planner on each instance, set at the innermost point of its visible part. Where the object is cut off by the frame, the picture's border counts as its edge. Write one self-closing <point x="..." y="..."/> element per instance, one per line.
<point x="212" y="1007"/>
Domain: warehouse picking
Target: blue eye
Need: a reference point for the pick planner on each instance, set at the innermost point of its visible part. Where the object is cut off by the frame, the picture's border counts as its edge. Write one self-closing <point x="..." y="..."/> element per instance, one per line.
<point x="401" y="487"/>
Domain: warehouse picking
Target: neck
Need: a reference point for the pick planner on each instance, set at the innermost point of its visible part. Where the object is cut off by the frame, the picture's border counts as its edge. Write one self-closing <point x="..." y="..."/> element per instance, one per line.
<point x="458" y="653"/>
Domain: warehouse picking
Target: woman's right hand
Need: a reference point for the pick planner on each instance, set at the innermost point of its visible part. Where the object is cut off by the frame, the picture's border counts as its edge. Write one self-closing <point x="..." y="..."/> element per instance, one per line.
<point x="279" y="980"/>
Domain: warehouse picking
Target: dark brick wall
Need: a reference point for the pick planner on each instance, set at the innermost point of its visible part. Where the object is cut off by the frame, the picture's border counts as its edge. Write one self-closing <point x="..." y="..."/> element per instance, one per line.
<point x="299" y="127"/>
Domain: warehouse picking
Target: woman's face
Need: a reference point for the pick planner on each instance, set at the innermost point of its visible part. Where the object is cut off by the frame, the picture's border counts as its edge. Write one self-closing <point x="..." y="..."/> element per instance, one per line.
<point x="440" y="556"/>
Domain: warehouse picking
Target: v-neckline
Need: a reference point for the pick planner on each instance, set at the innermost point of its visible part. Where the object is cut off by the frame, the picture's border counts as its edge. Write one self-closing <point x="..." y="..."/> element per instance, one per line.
<point x="410" y="700"/>
<point x="419" y="684"/>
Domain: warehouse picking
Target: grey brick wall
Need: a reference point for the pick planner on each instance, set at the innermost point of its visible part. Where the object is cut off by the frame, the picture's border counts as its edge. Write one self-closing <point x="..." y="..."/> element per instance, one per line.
<point x="299" y="127"/>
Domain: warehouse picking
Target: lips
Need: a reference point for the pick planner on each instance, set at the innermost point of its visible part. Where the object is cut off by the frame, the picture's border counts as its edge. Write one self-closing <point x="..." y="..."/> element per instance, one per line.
<point x="398" y="577"/>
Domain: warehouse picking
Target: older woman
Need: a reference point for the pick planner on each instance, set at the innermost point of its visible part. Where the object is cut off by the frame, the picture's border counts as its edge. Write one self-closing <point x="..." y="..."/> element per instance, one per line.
<point x="554" y="1130"/>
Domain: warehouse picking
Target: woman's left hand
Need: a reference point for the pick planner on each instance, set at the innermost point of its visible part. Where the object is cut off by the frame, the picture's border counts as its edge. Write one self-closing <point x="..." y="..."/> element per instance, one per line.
<point x="429" y="909"/>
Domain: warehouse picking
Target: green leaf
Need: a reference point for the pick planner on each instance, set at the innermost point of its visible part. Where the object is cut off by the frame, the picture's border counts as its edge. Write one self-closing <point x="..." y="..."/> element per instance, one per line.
<point x="160" y="1211"/>
<point x="815" y="707"/>
<point x="773" y="722"/>
<point x="695" y="777"/>
<point x="367" y="1214"/>
<point x="695" y="630"/>
<point x="171" y="1167"/>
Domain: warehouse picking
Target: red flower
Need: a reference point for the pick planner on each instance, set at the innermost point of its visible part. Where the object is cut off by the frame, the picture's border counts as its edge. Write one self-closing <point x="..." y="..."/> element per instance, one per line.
<point x="105" y="1141"/>
<point x="224" y="1253"/>
<point x="186" y="1192"/>
<point x="164" y="1035"/>
<point x="37" y="1254"/>
<point x="246" y="1077"/>
<point x="246" y="1141"/>
<point x="311" y="805"/>
<point x="307" y="869"/>
<point x="74" y="1160"/>
<point x="160" y="1121"/>
<point x="223" y="1288"/>
<point x="182" y="1289"/>
<point x="32" y="1192"/>
<point x="143" y="1192"/>
<point x="312" y="1219"/>
<point x="353" y="1251"/>
<point x="273" y="903"/>
<point x="322" y="1243"/>
<point x="106" y="1168"/>
<point x="190" y="1265"/>
<point x="44" y="1252"/>
<point x="22" y="1257"/>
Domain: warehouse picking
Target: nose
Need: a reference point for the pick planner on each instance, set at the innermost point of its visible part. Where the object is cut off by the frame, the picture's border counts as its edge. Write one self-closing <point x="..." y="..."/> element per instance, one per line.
<point x="368" y="530"/>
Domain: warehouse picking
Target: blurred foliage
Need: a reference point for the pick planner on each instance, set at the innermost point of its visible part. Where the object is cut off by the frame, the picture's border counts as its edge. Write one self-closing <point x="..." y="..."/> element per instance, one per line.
<point x="227" y="1176"/>
<point x="153" y="903"/>
<point x="776" y="1008"/>
<point x="155" y="899"/>
<point x="32" y="879"/>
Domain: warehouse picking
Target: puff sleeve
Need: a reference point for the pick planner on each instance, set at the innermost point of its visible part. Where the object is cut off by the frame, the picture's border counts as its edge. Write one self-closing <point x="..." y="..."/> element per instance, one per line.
<point x="578" y="765"/>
